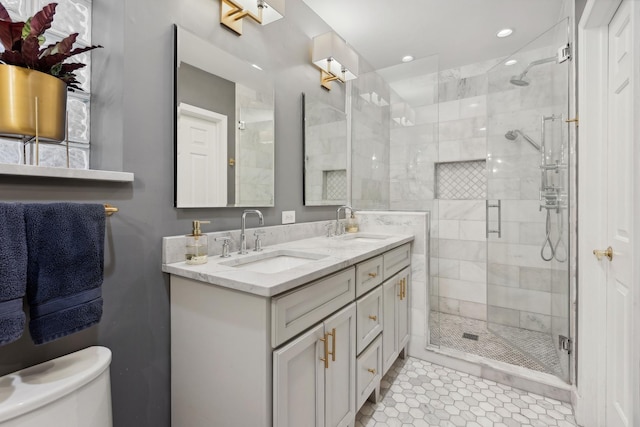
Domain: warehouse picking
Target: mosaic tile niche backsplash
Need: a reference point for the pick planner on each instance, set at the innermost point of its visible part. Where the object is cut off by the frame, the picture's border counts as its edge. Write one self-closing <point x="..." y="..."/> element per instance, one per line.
<point x="71" y="16"/>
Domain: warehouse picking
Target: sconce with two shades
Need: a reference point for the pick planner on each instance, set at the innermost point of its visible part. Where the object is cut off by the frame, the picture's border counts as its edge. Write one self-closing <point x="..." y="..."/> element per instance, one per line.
<point x="336" y="60"/>
<point x="264" y="12"/>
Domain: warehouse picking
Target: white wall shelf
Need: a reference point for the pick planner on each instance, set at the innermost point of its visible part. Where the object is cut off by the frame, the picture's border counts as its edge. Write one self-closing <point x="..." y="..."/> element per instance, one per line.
<point x="50" y="172"/>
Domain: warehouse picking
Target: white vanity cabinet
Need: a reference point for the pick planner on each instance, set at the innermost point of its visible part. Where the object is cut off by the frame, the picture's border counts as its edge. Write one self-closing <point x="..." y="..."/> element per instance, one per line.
<point x="307" y="356"/>
<point x="314" y="375"/>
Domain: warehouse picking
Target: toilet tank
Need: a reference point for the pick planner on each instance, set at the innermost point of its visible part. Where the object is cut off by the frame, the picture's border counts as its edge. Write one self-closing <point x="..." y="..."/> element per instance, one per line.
<point x="70" y="391"/>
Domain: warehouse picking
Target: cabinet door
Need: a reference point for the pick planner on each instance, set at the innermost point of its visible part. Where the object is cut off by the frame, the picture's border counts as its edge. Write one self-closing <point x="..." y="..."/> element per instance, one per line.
<point x="298" y="381"/>
<point x="340" y="376"/>
<point x="402" y="309"/>
<point x="390" y="294"/>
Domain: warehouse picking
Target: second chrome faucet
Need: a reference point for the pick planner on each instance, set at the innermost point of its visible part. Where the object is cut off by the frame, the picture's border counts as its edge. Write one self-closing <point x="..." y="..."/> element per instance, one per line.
<point x="243" y="237"/>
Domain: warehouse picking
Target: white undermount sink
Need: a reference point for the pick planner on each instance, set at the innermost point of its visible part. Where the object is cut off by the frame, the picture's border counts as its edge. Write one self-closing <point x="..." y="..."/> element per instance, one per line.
<point x="365" y="237"/>
<point x="273" y="262"/>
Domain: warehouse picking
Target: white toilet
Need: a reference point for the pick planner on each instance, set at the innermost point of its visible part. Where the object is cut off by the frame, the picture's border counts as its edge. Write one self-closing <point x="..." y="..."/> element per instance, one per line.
<point x="70" y="391"/>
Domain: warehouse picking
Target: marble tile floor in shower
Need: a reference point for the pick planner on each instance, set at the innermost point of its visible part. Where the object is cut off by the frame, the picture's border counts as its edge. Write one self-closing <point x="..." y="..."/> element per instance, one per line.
<point x="447" y="331"/>
<point x="415" y="393"/>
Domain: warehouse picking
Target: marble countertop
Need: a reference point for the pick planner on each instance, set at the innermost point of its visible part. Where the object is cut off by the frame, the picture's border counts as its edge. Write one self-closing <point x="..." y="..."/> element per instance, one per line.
<point x="338" y="252"/>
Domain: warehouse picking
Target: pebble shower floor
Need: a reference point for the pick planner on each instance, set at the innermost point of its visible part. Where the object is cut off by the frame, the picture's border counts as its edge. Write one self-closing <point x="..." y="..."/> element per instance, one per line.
<point x="415" y="393"/>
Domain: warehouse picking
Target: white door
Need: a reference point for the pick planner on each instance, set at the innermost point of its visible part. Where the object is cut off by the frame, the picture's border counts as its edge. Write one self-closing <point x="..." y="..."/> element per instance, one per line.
<point x="298" y="381"/>
<point x="201" y="156"/>
<point x="620" y="215"/>
<point x="340" y="377"/>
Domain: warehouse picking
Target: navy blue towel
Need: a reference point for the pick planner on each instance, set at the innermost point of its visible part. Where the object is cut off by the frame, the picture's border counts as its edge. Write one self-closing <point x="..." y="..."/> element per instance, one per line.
<point x="65" y="243"/>
<point x="13" y="271"/>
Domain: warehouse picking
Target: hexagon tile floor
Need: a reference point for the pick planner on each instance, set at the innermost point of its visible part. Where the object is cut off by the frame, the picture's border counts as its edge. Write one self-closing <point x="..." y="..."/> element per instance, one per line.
<point x="415" y="393"/>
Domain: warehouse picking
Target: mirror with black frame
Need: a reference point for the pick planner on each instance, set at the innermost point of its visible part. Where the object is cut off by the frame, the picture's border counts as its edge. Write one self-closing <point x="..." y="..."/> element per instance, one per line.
<point x="326" y="168"/>
<point x="224" y="127"/>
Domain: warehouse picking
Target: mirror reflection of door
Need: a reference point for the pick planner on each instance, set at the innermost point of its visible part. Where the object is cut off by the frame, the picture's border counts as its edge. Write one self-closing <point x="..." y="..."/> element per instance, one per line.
<point x="202" y="154"/>
<point x="219" y="83"/>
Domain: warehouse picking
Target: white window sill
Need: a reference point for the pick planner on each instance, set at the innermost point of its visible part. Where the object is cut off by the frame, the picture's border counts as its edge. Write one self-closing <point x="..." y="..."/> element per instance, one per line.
<point x="49" y="172"/>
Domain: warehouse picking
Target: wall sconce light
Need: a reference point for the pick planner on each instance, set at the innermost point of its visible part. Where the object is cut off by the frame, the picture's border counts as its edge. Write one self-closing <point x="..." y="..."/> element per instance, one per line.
<point x="336" y="60"/>
<point x="403" y="114"/>
<point x="264" y="12"/>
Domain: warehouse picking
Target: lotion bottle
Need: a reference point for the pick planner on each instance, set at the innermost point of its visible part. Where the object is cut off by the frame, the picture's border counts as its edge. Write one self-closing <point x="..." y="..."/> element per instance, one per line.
<point x="197" y="245"/>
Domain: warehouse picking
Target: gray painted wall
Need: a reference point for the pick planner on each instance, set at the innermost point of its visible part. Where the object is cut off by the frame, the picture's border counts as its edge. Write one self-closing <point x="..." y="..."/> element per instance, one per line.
<point x="132" y="130"/>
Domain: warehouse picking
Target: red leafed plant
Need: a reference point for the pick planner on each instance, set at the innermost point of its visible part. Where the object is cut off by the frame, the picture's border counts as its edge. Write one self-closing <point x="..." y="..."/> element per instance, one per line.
<point x="23" y="42"/>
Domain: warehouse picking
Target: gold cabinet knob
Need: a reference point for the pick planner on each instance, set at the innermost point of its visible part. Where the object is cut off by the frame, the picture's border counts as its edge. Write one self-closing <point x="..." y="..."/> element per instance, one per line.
<point x="373" y="274"/>
<point x="372" y="317"/>
<point x="373" y="371"/>
<point x="607" y="252"/>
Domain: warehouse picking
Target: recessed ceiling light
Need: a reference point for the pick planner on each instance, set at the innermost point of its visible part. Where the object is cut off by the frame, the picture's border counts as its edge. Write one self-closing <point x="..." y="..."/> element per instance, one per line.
<point x="407" y="58"/>
<point x="505" y="32"/>
<point x="511" y="62"/>
<point x="256" y="66"/>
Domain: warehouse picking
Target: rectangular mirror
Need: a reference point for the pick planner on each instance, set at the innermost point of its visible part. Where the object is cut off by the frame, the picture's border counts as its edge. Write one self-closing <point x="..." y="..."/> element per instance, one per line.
<point x="224" y="128"/>
<point x="326" y="168"/>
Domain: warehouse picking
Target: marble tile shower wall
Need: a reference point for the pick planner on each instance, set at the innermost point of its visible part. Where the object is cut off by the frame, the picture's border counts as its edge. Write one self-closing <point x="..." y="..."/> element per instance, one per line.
<point x="453" y="127"/>
<point x="370" y="135"/>
<point x="460" y="248"/>
<point x="324" y="153"/>
<point x="255" y="167"/>
<point x="71" y="16"/>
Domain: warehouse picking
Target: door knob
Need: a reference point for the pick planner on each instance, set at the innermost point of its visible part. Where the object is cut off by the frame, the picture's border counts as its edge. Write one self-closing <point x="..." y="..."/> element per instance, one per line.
<point x="607" y="252"/>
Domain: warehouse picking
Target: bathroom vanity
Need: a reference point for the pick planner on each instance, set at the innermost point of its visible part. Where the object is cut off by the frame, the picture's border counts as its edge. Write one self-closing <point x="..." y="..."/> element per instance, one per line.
<point x="299" y="334"/>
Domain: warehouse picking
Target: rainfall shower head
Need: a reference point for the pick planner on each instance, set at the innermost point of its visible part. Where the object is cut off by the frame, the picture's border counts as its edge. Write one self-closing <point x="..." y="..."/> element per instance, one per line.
<point x="522" y="79"/>
<point x="512" y="135"/>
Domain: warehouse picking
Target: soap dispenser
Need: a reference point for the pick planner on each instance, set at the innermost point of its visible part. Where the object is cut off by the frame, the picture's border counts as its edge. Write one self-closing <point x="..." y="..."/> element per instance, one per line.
<point x="352" y="224"/>
<point x="197" y="244"/>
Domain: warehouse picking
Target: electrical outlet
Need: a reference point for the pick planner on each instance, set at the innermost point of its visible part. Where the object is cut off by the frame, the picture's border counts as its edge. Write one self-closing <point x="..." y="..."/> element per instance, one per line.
<point x="288" y="217"/>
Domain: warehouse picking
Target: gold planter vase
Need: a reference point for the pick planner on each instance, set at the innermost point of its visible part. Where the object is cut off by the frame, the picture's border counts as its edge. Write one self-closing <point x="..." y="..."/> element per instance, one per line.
<point x="28" y="94"/>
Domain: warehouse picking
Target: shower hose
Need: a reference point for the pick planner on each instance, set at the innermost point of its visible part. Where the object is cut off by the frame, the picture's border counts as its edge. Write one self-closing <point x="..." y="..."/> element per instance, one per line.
<point x="559" y="250"/>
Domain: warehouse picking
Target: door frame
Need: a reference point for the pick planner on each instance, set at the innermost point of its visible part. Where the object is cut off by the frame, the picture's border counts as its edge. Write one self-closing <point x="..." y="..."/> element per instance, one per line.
<point x="590" y="396"/>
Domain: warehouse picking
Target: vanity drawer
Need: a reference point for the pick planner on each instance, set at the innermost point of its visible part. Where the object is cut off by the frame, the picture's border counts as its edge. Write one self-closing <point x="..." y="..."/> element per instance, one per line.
<point x="368" y="372"/>
<point x="302" y="308"/>
<point x="396" y="259"/>
<point x="369" y="318"/>
<point x="368" y="275"/>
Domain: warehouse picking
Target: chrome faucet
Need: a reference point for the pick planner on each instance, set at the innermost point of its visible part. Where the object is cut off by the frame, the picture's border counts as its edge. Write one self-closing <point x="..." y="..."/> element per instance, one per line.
<point x="339" y="229"/>
<point x="243" y="238"/>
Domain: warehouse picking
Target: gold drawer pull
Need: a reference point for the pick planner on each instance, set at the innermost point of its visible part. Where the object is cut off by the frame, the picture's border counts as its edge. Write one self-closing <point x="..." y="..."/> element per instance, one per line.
<point x="372" y="317"/>
<point x="373" y="371"/>
<point x="403" y="288"/>
<point x="325" y="340"/>
<point x="333" y="344"/>
<point x="373" y="275"/>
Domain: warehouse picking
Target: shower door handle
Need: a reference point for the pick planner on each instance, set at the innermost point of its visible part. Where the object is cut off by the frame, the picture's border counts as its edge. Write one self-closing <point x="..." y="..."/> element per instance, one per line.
<point x="497" y="205"/>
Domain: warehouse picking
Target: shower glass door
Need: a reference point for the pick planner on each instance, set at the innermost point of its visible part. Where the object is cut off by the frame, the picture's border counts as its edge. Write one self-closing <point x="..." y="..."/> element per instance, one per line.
<point x="528" y="202"/>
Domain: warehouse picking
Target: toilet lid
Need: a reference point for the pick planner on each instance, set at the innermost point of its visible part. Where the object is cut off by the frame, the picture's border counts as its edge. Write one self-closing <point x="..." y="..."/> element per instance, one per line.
<point x="31" y="388"/>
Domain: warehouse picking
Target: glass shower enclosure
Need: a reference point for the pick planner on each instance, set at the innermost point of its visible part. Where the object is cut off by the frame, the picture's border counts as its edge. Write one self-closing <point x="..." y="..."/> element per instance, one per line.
<point x="528" y="195"/>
